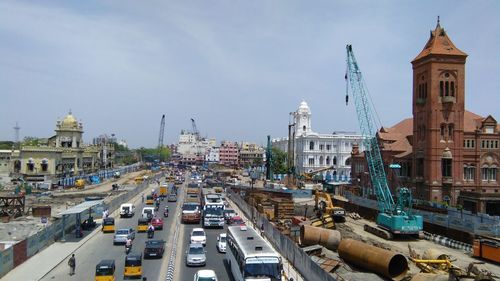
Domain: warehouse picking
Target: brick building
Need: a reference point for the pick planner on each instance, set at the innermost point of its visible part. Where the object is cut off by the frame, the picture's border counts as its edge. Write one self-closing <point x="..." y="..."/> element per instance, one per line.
<point x="447" y="153"/>
<point x="228" y="153"/>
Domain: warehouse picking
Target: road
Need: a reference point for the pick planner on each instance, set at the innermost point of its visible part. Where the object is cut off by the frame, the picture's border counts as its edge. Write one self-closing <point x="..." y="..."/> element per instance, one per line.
<point x="101" y="247"/>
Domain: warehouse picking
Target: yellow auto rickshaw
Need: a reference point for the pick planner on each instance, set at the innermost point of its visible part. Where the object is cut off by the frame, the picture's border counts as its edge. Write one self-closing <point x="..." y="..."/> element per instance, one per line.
<point x="142" y="225"/>
<point x="150" y="200"/>
<point x="133" y="266"/>
<point x="105" y="271"/>
<point x="108" y="225"/>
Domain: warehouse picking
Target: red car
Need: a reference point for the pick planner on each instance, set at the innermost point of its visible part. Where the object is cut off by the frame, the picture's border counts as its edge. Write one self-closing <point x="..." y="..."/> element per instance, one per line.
<point x="236" y="220"/>
<point x="157" y="223"/>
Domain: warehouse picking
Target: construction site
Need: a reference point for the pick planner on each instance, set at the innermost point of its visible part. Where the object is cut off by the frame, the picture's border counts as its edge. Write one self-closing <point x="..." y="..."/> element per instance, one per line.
<point x="26" y="211"/>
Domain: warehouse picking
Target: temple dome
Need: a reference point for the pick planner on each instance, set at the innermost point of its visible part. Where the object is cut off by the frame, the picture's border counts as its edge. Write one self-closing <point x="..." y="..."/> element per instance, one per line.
<point x="69" y="122"/>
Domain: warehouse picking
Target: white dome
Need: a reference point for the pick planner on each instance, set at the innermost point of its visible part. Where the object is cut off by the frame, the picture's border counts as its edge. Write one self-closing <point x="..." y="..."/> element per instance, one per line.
<point x="304" y="108"/>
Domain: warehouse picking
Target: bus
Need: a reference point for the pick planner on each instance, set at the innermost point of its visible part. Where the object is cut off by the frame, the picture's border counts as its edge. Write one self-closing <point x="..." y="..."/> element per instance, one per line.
<point x="250" y="257"/>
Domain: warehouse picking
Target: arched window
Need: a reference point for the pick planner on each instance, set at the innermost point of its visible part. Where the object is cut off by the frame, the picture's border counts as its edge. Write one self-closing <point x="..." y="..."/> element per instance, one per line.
<point x="304" y="128"/>
<point x="321" y="160"/>
<point x="327" y="160"/>
<point x="334" y="160"/>
<point x="441" y="88"/>
<point x="348" y="161"/>
<point x="311" y="145"/>
<point x="452" y="88"/>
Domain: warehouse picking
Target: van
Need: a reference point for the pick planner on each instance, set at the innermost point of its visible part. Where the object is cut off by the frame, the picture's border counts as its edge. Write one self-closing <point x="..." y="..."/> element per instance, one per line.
<point x="127" y="210"/>
<point x="148" y="212"/>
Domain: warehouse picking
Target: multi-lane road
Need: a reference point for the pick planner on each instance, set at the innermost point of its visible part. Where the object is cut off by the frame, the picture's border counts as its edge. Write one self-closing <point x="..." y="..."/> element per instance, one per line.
<point x="101" y="247"/>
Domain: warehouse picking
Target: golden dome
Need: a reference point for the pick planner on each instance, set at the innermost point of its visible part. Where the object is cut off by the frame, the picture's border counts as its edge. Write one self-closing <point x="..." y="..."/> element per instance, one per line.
<point x="69" y="121"/>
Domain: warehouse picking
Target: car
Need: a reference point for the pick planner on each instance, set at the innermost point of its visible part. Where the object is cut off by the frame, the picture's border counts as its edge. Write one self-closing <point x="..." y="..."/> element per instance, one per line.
<point x="236" y="220"/>
<point x="205" y="275"/>
<point x="195" y="255"/>
<point x="157" y="223"/>
<point x="127" y="210"/>
<point x="221" y="243"/>
<point x="122" y="234"/>
<point x="172" y="197"/>
<point x="198" y="236"/>
<point x="229" y="213"/>
<point x="154" y="248"/>
<point x="148" y="212"/>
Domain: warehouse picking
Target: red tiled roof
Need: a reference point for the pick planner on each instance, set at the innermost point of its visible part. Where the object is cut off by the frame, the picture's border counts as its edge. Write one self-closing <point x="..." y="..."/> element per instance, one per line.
<point x="439" y="44"/>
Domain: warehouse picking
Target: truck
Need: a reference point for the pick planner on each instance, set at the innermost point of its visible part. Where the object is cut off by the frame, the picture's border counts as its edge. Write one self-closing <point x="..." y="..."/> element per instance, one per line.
<point x="163" y="190"/>
<point x="191" y="212"/>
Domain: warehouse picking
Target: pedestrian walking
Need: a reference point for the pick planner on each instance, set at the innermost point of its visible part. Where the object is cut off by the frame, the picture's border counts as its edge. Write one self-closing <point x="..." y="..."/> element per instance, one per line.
<point x="72" y="264"/>
<point x="142" y="198"/>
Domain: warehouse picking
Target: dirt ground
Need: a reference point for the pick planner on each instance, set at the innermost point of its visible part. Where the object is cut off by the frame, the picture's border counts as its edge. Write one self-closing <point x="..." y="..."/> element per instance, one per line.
<point x="59" y="200"/>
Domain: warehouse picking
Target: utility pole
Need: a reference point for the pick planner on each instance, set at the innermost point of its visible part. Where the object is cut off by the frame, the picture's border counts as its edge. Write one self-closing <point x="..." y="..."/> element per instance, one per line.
<point x="269" y="156"/>
<point x="16" y="139"/>
<point x="291" y="154"/>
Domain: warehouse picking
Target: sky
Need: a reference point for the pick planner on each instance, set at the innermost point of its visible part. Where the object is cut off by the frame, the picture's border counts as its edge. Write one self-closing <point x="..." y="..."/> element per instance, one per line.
<point x="237" y="67"/>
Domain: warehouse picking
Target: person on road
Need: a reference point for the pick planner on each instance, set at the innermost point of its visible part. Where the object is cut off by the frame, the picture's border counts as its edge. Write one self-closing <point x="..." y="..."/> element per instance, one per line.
<point x="142" y="198"/>
<point x="128" y="244"/>
<point x="72" y="264"/>
<point x="151" y="228"/>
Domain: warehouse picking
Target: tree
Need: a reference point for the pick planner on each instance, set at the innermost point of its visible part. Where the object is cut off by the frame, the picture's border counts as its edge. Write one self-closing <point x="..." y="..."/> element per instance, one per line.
<point x="6" y="144"/>
<point x="151" y="154"/>
<point x="278" y="161"/>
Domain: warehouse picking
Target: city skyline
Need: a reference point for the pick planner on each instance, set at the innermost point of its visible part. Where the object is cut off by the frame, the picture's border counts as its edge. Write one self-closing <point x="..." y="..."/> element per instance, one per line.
<point x="238" y="69"/>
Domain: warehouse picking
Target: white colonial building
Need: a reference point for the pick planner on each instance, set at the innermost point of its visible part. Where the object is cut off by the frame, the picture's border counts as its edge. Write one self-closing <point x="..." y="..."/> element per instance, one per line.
<point x="314" y="150"/>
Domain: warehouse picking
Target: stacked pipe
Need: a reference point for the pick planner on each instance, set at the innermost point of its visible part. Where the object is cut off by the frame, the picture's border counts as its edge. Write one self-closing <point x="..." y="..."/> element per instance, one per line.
<point x="386" y="263"/>
<point x="311" y="235"/>
<point x="447" y="242"/>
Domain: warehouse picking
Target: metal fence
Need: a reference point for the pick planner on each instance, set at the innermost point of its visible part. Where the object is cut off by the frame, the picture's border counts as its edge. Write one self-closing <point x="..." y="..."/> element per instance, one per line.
<point x="285" y="246"/>
<point x="54" y="231"/>
<point x="103" y="174"/>
<point x="463" y="220"/>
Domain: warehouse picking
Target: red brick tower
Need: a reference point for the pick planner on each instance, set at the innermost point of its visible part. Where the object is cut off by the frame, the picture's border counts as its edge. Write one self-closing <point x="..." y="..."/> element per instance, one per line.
<point x="438" y="114"/>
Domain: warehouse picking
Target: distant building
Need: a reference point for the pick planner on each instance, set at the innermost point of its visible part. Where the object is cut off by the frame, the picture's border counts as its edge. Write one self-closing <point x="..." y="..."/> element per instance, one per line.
<point x="447" y="154"/>
<point x="102" y="139"/>
<point x="251" y="155"/>
<point x="229" y="153"/>
<point x="189" y="145"/>
<point x="61" y="155"/>
<point x="314" y="150"/>
<point x="213" y="155"/>
<point x="5" y="162"/>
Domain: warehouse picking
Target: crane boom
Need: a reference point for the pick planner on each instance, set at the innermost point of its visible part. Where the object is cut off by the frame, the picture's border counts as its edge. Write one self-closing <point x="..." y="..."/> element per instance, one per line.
<point x="396" y="218"/>
<point x="160" y="138"/>
<point x="195" y="130"/>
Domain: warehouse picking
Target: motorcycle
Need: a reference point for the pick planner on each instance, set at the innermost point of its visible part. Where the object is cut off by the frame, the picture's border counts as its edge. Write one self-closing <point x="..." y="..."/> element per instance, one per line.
<point x="165" y="212"/>
<point x="127" y="249"/>
<point x="151" y="234"/>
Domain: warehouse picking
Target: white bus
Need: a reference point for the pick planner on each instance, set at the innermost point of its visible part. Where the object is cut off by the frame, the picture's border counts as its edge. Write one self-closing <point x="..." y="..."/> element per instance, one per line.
<point x="250" y="256"/>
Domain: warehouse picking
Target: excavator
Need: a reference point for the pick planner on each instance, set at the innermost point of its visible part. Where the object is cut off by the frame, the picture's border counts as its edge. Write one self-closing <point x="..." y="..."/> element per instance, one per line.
<point x="323" y="204"/>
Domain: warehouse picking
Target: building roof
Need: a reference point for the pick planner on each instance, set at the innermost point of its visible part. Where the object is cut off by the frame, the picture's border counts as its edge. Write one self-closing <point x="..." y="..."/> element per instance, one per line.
<point x="439" y="44"/>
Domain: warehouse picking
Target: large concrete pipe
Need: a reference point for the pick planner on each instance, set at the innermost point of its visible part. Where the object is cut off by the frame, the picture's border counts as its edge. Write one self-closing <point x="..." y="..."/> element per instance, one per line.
<point x="383" y="262"/>
<point x="433" y="254"/>
<point x="429" y="277"/>
<point x="311" y="235"/>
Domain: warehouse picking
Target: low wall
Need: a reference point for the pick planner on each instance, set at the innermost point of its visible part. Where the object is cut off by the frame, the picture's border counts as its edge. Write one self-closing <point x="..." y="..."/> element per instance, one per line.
<point x="23" y="250"/>
<point x="283" y="244"/>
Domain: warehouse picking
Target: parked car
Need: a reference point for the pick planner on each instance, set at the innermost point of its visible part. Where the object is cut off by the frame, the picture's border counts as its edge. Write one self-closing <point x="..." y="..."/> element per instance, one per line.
<point x="198" y="236"/>
<point x="221" y="243"/>
<point x="154" y="248"/>
<point x="205" y="275"/>
<point x="172" y="197"/>
<point x="195" y="255"/>
<point x="157" y="223"/>
<point x="122" y="234"/>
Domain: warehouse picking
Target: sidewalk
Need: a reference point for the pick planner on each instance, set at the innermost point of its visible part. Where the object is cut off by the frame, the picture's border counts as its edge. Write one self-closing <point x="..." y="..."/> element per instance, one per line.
<point x="42" y="263"/>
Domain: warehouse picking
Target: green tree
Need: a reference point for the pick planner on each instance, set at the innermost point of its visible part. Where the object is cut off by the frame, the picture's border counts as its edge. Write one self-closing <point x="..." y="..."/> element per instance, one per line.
<point x="151" y="154"/>
<point x="30" y="141"/>
<point x="278" y="161"/>
<point x="6" y="144"/>
<point x="120" y="148"/>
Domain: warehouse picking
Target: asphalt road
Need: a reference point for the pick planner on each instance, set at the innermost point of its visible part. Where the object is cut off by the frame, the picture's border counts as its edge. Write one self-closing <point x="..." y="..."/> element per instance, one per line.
<point x="101" y="247"/>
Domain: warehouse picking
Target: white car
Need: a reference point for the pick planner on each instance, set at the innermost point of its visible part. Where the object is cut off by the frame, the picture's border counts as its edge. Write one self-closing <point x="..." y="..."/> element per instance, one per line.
<point x="198" y="236"/>
<point x="205" y="275"/>
<point x="221" y="243"/>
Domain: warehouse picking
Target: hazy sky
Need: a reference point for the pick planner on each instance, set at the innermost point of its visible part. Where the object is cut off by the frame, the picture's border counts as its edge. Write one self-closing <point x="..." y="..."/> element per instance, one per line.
<point x="237" y="67"/>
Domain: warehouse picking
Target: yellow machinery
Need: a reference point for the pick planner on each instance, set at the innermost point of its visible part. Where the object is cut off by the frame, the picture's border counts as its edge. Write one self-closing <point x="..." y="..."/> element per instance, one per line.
<point x="323" y="203"/>
<point x="108" y="225"/>
<point x="133" y="266"/>
<point x="139" y="179"/>
<point x="142" y="225"/>
<point x="105" y="271"/>
<point x="80" y="184"/>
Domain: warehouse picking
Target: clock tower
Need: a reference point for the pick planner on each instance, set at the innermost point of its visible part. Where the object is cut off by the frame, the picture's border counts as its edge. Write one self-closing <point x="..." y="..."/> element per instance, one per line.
<point x="302" y="118"/>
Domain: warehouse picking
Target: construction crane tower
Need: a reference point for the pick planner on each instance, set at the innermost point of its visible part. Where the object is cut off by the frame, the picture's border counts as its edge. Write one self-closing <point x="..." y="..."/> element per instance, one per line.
<point x="196" y="133"/>
<point x="160" y="138"/>
<point x="393" y="217"/>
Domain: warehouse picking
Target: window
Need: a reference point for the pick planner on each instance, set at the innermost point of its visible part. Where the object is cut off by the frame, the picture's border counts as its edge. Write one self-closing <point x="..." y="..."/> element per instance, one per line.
<point x="489" y="130"/>
<point x="489" y="173"/>
<point x="420" y="167"/>
<point x="443" y="130"/>
<point x="450" y="131"/>
<point x="311" y="161"/>
<point x="469" y="172"/>
<point x="334" y="160"/>
<point x="452" y="88"/>
<point x="446" y="88"/>
<point x="321" y="147"/>
<point x="469" y="143"/>
<point x="327" y="160"/>
<point x="321" y="160"/>
<point x="304" y="128"/>
<point x="441" y="88"/>
<point x="311" y="145"/>
<point x="328" y="147"/>
<point x="446" y="167"/>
